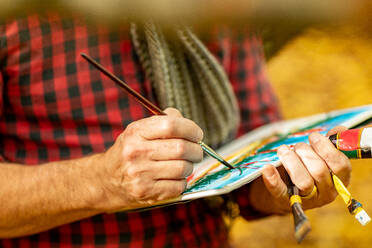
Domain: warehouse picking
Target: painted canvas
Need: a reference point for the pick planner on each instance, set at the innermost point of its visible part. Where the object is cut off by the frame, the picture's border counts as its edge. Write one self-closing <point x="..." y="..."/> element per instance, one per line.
<point x="212" y="178"/>
<point x="257" y="148"/>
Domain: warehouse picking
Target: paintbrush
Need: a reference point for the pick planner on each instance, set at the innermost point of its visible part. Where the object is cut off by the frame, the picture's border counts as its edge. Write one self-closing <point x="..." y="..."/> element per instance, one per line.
<point x="151" y="107"/>
<point x="301" y="222"/>
<point x="355" y="144"/>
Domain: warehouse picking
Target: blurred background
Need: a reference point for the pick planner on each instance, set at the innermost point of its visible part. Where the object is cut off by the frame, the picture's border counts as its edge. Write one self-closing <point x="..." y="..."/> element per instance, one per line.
<point x="319" y="59"/>
<point x="315" y="70"/>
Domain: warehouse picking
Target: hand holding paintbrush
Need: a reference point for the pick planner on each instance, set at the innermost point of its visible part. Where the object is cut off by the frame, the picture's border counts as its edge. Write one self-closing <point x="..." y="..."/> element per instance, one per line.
<point x="151" y="159"/>
<point x="151" y="107"/>
<point x="355" y="144"/>
<point x="319" y="155"/>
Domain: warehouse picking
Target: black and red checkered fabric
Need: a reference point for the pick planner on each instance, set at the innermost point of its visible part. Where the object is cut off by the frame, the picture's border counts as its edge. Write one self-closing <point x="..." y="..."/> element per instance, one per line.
<point x="54" y="106"/>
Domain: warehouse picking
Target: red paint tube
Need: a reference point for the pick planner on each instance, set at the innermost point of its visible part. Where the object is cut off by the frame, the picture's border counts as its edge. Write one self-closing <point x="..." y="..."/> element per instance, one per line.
<point x="354" y="143"/>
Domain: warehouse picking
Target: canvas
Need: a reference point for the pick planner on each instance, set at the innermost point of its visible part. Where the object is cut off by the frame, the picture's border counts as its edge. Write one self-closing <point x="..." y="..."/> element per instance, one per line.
<point x="258" y="148"/>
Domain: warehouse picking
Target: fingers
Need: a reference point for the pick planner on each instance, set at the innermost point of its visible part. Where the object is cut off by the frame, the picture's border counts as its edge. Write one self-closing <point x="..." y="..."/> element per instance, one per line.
<point x="276" y="198"/>
<point x="296" y="169"/>
<point x="336" y="130"/>
<point x="151" y="159"/>
<point x="317" y="169"/>
<point x="307" y="166"/>
<point x="175" y="149"/>
<point x="166" y="189"/>
<point x="273" y="182"/>
<point x="152" y="170"/>
<point x="334" y="159"/>
<point x="154" y="191"/>
<point x="171" y="170"/>
<point x="167" y="127"/>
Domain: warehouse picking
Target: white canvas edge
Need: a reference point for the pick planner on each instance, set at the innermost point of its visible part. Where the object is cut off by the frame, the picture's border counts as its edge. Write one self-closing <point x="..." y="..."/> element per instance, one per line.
<point x="258" y="133"/>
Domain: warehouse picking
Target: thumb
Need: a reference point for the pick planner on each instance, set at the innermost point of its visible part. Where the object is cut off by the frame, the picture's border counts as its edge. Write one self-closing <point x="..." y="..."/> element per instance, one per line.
<point x="274" y="183"/>
<point x="173" y="112"/>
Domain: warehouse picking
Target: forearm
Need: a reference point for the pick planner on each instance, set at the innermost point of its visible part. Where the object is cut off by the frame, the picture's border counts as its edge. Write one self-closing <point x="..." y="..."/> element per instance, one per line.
<point x="147" y="163"/>
<point x="37" y="198"/>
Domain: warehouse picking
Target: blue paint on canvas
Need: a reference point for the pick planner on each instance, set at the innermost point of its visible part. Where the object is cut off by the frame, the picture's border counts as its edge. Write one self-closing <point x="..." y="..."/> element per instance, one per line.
<point x="267" y="154"/>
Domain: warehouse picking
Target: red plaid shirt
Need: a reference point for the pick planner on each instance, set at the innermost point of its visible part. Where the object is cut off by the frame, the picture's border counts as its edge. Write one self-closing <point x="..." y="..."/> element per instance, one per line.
<point x="54" y="106"/>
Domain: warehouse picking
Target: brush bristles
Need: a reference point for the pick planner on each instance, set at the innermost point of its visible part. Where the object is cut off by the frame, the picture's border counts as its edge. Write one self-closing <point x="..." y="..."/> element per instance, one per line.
<point x="302" y="224"/>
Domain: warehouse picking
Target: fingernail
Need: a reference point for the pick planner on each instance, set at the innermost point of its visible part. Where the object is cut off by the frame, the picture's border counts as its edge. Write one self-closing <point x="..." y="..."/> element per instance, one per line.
<point x="283" y="149"/>
<point x="200" y="135"/>
<point x="269" y="171"/>
<point x="315" y="137"/>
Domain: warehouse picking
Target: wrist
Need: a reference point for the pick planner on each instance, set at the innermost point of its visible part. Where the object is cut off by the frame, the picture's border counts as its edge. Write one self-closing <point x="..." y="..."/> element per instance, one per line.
<point x="90" y="169"/>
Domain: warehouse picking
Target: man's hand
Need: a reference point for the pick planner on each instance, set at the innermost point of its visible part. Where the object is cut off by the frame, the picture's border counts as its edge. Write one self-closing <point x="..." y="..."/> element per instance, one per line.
<point x="307" y="166"/>
<point x="149" y="161"/>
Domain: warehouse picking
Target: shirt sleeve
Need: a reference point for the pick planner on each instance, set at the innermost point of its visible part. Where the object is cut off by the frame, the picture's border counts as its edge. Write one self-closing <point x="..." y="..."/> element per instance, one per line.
<point x="257" y="101"/>
<point x="1" y="107"/>
<point x="1" y="80"/>
<point x="2" y="58"/>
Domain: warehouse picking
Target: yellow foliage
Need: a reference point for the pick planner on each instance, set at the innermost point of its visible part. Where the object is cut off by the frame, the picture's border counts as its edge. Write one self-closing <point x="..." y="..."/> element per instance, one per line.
<point x="321" y="70"/>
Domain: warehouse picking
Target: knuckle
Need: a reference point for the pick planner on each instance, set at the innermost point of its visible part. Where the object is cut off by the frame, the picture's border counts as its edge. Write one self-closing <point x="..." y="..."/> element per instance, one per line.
<point x="134" y="150"/>
<point x="139" y="193"/>
<point x="186" y="169"/>
<point x="130" y="152"/>
<point x="168" y="125"/>
<point x="134" y="172"/>
<point x="305" y="185"/>
<point x="183" y="186"/>
<point x="131" y="128"/>
<point x="181" y="148"/>
<point x="301" y="146"/>
<point x="200" y="153"/>
<point x="179" y="169"/>
<point x="328" y="157"/>
<point x="319" y="174"/>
